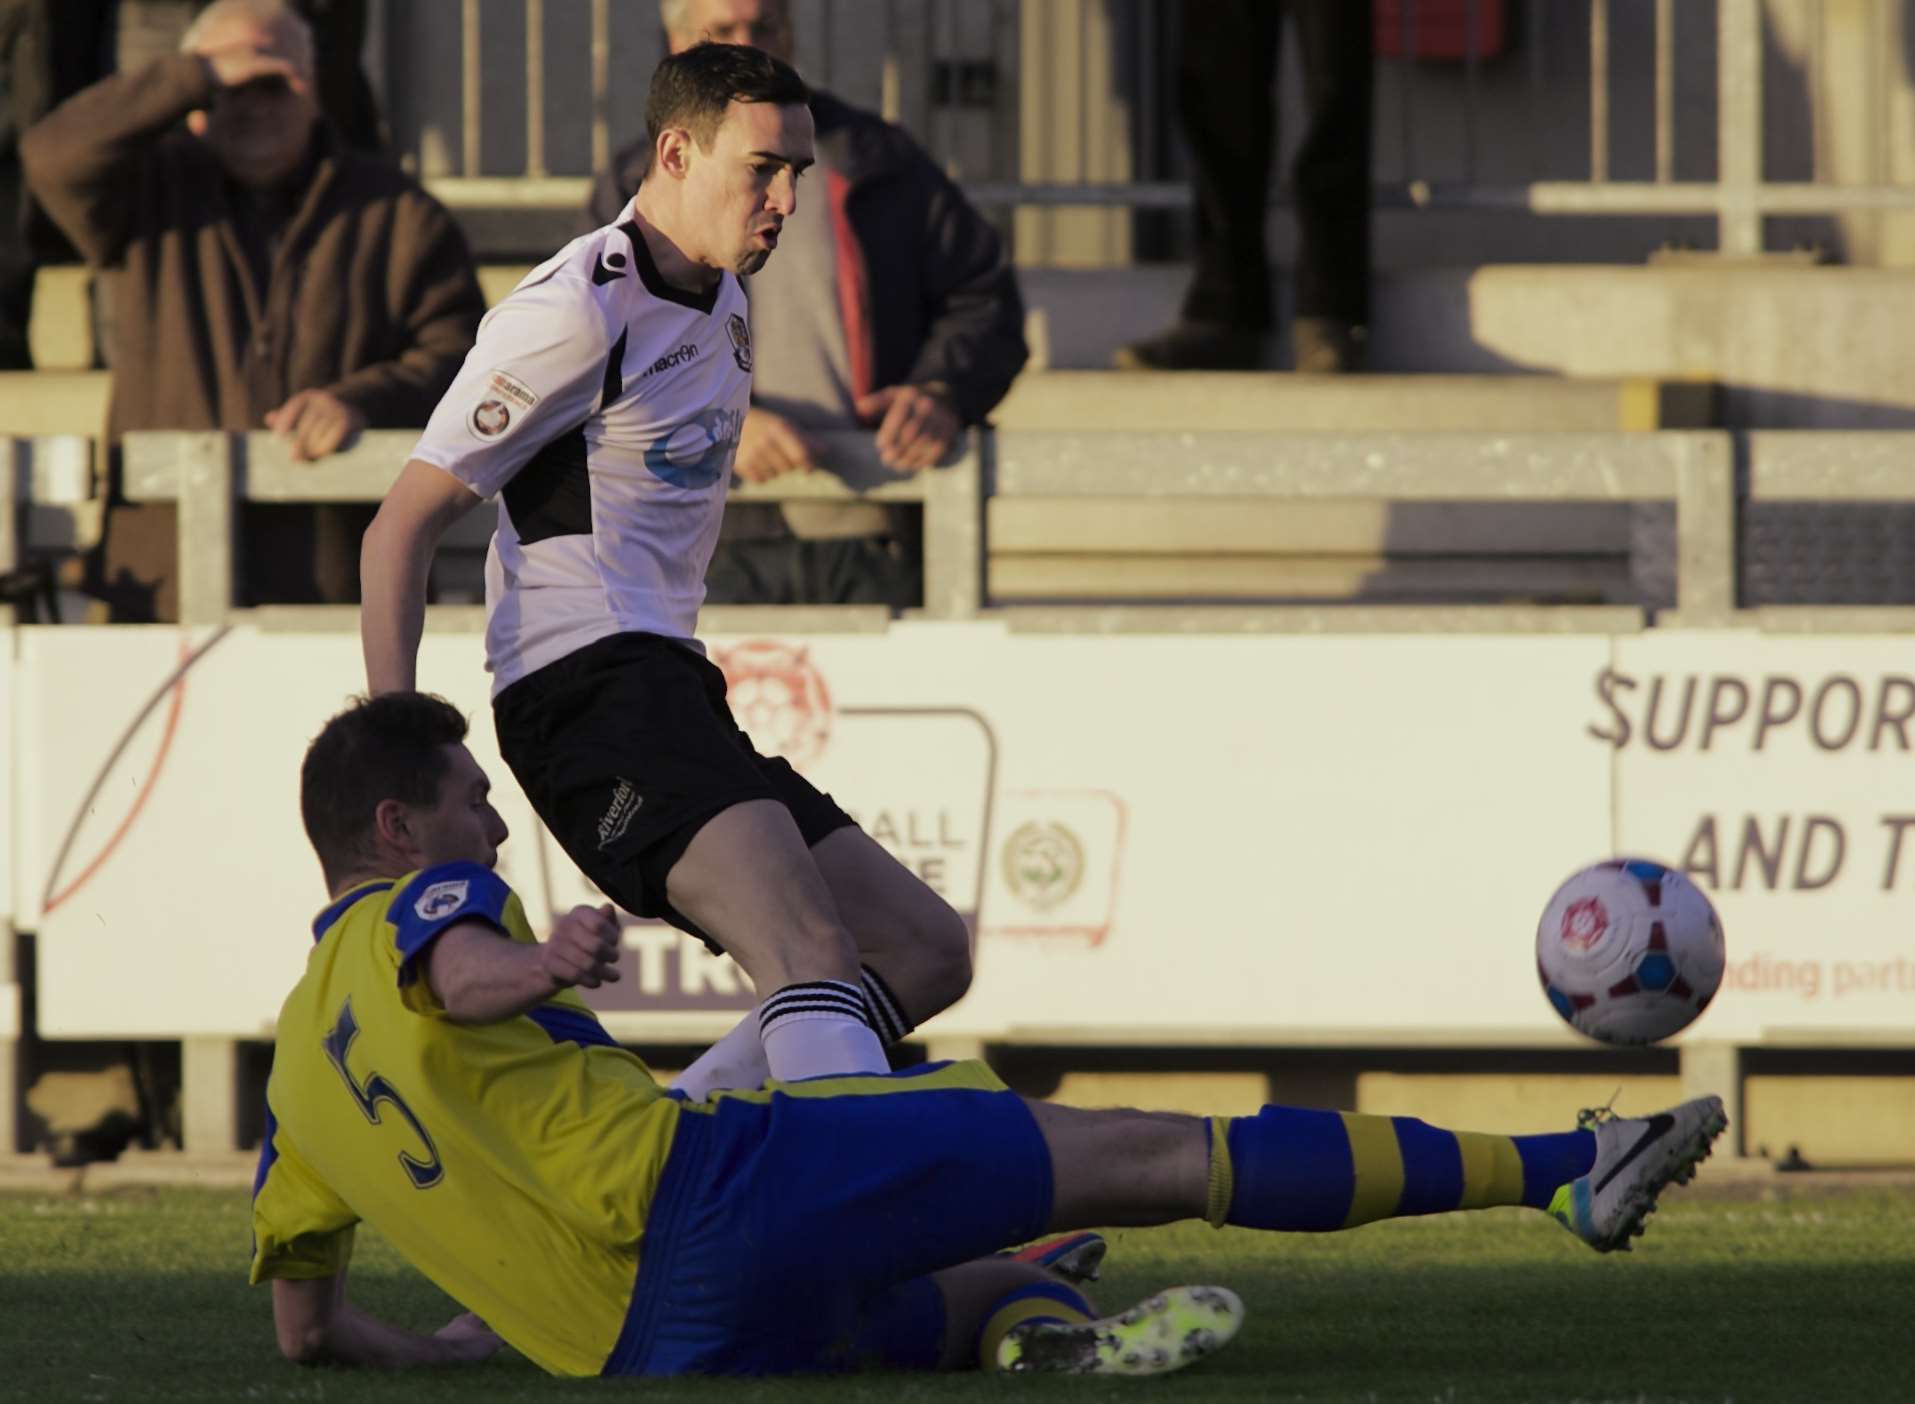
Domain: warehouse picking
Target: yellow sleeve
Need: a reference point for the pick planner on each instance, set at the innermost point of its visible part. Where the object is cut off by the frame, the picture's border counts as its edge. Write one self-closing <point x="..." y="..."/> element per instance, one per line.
<point x="301" y="1229"/>
<point x="517" y="926"/>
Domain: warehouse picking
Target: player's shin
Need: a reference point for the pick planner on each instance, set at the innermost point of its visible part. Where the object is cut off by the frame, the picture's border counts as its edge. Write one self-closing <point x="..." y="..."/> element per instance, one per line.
<point x="1299" y="1170"/>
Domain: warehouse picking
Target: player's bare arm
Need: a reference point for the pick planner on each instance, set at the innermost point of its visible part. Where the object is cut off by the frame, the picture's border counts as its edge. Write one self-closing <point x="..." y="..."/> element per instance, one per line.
<point x="316" y="1325"/>
<point x="481" y="977"/>
<point x="394" y="560"/>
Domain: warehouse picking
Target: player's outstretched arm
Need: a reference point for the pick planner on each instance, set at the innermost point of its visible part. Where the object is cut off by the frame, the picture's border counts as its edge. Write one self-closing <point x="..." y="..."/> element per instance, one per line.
<point x="315" y="1324"/>
<point x="481" y="977"/>
<point x="394" y="560"/>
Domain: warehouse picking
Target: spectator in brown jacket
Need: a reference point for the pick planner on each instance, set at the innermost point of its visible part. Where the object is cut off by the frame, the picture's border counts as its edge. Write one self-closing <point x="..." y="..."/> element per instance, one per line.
<point x="272" y="279"/>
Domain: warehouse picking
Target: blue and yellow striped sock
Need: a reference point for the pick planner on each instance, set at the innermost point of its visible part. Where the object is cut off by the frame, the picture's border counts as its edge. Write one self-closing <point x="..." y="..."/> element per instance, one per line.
<point x="1288" y="1168"/>
<point x="1040" y="1301"/>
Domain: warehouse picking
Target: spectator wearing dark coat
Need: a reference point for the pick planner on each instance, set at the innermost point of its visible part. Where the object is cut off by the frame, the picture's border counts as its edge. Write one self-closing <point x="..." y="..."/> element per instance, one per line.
<point x="272" y="278"/>
<point x="49" y="50"/>
<point x="892" y="308"/>
<point x="1225" y="76"/>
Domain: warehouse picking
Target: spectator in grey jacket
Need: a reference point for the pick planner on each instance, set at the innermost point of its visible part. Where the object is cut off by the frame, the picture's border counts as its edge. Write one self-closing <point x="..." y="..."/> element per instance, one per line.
<point x="895" y="309"/>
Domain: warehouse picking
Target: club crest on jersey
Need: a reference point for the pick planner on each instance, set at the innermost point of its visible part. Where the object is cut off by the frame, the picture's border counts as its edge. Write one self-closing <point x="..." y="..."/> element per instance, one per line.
<point x="491" y="419"/>
<point x="740" y="341"/>
<point x="441" y="898"/>
<point x="505" y="396"/>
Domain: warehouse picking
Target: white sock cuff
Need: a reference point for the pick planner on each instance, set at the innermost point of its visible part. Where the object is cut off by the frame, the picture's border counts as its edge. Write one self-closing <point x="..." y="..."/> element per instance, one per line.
<point x="814" y="999"/>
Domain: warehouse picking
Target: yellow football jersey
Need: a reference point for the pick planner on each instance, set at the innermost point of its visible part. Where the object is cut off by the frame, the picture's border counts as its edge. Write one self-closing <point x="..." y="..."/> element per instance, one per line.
<point x="512" y="1163"/>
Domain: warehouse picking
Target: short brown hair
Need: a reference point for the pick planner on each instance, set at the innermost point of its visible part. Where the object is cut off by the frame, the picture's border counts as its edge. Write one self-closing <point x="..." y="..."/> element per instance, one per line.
<point x="380" y="748"/>
<point x="692" y="89"/>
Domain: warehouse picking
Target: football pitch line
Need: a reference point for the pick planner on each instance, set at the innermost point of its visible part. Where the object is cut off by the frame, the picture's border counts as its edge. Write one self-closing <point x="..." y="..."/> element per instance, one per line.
<point x="140" y="1294"/>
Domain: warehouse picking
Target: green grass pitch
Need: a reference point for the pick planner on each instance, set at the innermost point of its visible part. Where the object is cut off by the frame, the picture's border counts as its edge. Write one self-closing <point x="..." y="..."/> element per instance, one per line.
<point x="140" y="1295"/>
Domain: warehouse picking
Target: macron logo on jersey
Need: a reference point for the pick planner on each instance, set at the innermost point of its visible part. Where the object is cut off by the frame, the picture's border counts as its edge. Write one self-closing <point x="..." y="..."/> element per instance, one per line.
<point x="671" y="360"/>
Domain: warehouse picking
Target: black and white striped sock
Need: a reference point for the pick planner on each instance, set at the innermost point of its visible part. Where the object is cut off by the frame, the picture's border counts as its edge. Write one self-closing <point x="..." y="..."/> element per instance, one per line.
<point x="819" y="1028"/>
<point x="887" y="1015"/>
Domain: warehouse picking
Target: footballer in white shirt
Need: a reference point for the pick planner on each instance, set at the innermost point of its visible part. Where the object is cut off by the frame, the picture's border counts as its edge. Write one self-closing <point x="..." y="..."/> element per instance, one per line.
<point x="601" y="406"/>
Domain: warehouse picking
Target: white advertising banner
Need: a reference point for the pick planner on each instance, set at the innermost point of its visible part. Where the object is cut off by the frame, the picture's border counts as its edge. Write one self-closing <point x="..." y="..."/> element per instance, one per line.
<point x="1257" y="839"/>
<point x="9" y="836"/>
<point x="1777" y="772"/>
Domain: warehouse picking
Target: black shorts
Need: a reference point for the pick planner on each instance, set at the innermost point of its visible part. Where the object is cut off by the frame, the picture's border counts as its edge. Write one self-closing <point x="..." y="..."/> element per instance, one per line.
<point x="626" y="749"/>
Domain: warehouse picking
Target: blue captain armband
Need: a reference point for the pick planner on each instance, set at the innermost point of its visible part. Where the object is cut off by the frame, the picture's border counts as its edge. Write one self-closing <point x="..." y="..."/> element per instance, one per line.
<point x="439" y="897"/>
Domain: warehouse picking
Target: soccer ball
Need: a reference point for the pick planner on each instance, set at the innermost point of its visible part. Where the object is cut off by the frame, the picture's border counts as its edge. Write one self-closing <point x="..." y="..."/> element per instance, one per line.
<point x="1629" y="951"/>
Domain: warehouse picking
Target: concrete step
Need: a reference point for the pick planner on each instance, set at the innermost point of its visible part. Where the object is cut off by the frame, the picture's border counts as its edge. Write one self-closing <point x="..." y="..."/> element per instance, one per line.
<point x="74" y="402"/>
<point x="53" y="402"/>
<point x="1196" y="577"/>
<point x="1377" y="404"/>
<point x="1790" y="347"/>
<point x="60" y="333"/>
<point x="1155" y="526"/>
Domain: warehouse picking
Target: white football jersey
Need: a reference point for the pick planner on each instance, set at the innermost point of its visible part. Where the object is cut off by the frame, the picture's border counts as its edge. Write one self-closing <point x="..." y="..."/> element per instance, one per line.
<point x="602" y="405"/>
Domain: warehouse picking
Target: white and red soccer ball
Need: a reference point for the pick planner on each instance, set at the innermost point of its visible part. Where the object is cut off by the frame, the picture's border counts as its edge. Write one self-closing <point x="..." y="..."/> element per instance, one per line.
<point x="1629" y="951"/>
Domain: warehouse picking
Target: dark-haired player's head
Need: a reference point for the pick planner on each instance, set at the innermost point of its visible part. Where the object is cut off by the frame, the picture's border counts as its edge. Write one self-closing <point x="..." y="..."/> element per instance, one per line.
<point x="731" y="132"/>
<point x="388" y="787"/>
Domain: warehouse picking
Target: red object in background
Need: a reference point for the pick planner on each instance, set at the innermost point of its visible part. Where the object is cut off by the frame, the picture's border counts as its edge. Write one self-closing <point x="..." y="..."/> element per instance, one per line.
<point x="1440" y="28"/>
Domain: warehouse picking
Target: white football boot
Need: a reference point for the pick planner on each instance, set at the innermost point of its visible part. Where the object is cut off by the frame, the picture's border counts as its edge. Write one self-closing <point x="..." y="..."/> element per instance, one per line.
<point x="1635" y="1158"/>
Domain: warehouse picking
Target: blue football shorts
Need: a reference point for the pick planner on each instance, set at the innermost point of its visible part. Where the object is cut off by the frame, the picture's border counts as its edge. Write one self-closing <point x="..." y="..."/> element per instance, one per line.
<point x="790" y="1215"/>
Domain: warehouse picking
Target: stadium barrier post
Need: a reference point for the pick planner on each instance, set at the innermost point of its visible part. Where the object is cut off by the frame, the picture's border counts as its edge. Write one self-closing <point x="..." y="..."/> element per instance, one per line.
<point x="206" y="483"/>
<point x="1739" y="127"/>
<point x="954" y="533"/>
<point x="1710" y="1068"/>
<point x="17" y="475"/>
<point x="10" y="1031"/>
<point x="1705" y="527"/>
<point x="209" y="1096"/>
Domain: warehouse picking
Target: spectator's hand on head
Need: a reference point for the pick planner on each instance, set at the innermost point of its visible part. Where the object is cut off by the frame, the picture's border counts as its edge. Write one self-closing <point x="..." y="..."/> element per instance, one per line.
<point x="582" y="949"/>
<point x="236" y="63"/>
<point x="469" y="1339"/>
<point x="316" y="424"/>
<point x="916" y="425"/>
<point x="769" y="446"/>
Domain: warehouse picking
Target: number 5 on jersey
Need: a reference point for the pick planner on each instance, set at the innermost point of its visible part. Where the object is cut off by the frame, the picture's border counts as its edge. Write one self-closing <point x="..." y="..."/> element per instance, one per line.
<point x="424" y="1174"/>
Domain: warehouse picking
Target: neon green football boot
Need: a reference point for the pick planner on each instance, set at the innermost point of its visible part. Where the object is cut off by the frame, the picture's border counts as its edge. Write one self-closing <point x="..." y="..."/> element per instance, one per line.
<point x="1166" y="1332"/>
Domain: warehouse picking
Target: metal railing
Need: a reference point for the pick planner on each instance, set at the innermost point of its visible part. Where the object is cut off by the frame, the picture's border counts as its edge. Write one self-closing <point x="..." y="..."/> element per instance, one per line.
<point x="208" y="474"/>
<point x="935" y="65"/>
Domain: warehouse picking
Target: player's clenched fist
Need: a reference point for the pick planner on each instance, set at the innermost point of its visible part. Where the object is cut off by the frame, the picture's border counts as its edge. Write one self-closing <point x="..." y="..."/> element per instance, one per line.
<point x="583" y="948"/>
